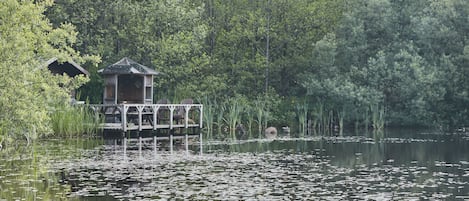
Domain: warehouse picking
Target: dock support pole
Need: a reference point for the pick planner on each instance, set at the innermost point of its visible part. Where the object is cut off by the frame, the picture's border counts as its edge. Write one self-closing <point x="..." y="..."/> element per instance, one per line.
<point x="125" y="147"/>
<point x="154" y="146"/>
<point x="171" y="143"/>
<point x="187" y="144"/>
<point x="200" y="139"/>
<point x="140" y="147"/>
<point x="115" y="146"/>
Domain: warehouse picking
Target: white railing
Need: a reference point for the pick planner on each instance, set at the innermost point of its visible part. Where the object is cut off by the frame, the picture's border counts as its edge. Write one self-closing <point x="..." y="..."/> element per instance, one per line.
<point x="150" y="116"/>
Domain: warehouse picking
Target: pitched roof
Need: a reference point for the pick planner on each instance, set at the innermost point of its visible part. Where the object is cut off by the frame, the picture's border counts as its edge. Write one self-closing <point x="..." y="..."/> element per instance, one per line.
<point x="127" y="66"/>
<point x="69" y="67"/>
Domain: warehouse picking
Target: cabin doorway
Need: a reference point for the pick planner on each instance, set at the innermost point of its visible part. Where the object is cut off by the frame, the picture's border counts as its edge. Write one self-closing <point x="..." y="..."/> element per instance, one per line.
<point x="130" y="89"/>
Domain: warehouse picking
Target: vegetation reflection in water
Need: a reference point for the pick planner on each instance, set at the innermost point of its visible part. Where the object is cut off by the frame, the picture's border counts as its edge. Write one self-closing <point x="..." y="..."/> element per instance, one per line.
<point x="417" y="166"/>
<point x="28" y="172"/>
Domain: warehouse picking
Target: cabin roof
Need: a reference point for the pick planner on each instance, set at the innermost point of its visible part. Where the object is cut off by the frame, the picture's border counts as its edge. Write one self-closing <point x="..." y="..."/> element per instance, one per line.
<point x="127" y="66"/>
<point x="70" y="68"/>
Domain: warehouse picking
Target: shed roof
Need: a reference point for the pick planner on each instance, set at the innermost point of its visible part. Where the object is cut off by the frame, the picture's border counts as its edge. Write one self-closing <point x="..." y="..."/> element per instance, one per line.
<point x="70" y="68"/>
<point x="127" y="66"/>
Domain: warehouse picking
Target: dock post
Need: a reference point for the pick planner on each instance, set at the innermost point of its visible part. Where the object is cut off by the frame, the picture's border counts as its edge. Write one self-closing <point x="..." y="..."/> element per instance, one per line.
<point x="200" y="139"/>
<point x="187" y="144"/>
<point x="125" y="147"/>
<point x="171" y="116"/>
<point x="201" y="117"/>
<point x="171" y="143"/>
<point x="154" y="146"/>
<point x="115" y="145"/>
<point x="124" y="117"/>
<point x="140" y="147"/>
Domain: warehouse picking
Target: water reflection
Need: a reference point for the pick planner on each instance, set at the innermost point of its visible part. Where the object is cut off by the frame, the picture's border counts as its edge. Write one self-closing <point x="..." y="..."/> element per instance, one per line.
<point x="26" y="173"/>
<point x="403" y="165"/>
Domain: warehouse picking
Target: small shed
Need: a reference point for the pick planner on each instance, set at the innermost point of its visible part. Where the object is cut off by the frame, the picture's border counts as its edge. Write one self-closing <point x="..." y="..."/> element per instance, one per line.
<point x="128" y="82"/>
<point x="69" y="68"/>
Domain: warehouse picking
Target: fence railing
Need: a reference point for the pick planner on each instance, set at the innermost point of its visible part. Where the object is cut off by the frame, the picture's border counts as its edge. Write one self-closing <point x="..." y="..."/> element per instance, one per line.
<point x="149" y="116"/>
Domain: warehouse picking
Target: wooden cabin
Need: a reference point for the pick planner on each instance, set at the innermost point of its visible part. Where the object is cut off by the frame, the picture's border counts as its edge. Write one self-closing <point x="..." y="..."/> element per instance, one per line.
<point x="128" y="104"/>
<point x="128" y="82"/>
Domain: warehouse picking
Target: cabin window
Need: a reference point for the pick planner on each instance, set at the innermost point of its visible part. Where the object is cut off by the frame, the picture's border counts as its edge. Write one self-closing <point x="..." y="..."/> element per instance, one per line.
<point x="147" y="93"/>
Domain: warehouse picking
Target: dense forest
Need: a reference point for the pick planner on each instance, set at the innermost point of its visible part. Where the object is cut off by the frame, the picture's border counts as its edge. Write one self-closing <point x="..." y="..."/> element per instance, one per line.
<point x="347" y="63"/>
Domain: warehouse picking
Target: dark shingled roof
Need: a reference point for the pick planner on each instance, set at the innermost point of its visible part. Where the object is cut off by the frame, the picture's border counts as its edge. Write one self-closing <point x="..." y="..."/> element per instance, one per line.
<point x="127" y="66"/>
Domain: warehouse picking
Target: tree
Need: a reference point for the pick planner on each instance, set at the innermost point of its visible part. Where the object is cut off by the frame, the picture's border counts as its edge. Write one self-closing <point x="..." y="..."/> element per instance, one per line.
<point x="165" y="35"/>
<point x="27" y="89"/>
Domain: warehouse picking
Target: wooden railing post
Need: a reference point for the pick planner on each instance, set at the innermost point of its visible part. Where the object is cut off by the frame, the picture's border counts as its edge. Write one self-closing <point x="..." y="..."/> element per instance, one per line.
<point x="140" y="110"/>
<point x="187" y="108"/>
<point x="124" y="117"/>
<point x="171" y="116"/>
<point x="201" y="110"/>
<point x="155" y="116"/>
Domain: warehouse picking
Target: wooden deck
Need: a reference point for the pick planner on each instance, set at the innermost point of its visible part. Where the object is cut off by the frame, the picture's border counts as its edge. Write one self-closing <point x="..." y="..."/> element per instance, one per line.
<point x="139" y="117"/>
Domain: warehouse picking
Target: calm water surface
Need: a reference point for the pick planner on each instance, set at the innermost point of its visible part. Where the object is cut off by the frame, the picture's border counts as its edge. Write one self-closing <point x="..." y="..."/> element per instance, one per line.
<point x="388" y="166"/>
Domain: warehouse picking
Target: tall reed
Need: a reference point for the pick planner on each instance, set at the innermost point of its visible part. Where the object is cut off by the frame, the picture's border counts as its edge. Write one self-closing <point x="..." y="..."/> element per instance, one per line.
<point x="321" y="127"/>
<point x="302" y="113"/>
<point x="208" y="116"/>
<point x="366" y="118"/>
<point x="330" y="122"/>
<point x="233" y="117"/>
<point x="377" y="116"/>
<point x="70" y="121"/>
<point x="341" y="116"/>
<point x="249" y="111"/>
<point x="261" y="117"/>
<point x="220" y="109"/>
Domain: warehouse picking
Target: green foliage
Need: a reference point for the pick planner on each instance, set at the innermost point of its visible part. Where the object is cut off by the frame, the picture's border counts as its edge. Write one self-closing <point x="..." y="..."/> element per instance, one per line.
<point x="368" y="63"/>
<point x="404" y="56"/>
<point x="72" y="121"/>
<point x="165" y="35"/>
<point x="27" y="89"/>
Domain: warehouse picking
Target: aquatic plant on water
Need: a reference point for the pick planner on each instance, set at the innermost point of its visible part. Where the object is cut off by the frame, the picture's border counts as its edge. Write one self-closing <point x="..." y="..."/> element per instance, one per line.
<point x="341" y="117"/>
<point x="262" y="116"/>
<point x="320" y="118"/>
<point x="366" y="118"/>
<point x="249" y="115"/>
<point x="302" y="113"/>
<point x="377" y="116"/>
<point x="220" y="112"/>
<point x="233" y="117"/>
<point x="208" y="116"/>
<point x="330" y="121"/>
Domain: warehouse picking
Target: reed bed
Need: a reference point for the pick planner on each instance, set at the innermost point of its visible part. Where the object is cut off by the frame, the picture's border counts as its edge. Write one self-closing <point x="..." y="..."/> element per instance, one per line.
<point x="230" y="118"/>
<point x="302" y="113"/>
<point x="208" y="116"/>
<point x="233" y="117"/>
<point x="71" y="121"/>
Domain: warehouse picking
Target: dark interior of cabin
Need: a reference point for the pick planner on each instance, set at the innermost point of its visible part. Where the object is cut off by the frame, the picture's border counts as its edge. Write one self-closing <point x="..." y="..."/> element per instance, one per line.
<point x="61" y="68"/>
<point x="130" y="89"/>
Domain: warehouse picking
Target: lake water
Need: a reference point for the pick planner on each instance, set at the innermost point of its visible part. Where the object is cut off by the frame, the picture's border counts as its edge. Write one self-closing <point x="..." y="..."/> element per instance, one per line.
<point x="387" y="166"/>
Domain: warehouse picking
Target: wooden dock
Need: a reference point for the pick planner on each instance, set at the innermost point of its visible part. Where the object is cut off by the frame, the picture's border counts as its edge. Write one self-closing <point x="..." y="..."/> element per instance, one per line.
<point x="141" y="117"/>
